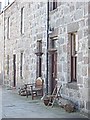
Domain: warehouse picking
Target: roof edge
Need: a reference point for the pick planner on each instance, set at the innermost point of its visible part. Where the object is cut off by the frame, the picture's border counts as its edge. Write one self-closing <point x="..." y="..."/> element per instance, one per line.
<point x="5" y="8"/>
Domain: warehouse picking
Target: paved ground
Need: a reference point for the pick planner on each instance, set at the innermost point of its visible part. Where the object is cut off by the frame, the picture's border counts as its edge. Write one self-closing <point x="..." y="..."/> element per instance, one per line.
<point x="0" y="102"/>
<point x="16" y="106"/>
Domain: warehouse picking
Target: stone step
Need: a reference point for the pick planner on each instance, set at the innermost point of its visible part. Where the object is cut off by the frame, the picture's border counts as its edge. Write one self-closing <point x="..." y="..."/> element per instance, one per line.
<point x="66" y="104"/>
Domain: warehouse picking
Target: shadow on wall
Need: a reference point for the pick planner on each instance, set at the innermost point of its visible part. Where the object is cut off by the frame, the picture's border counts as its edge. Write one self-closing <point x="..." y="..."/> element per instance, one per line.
<point x="1" y="78"/>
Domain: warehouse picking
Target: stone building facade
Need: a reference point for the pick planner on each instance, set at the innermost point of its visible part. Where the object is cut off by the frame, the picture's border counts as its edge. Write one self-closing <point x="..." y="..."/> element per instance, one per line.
<point x="70" y="20"/>
<point x="25" y="43"/>
<point x="1" y="48"/>
<point x="25" y="31"/>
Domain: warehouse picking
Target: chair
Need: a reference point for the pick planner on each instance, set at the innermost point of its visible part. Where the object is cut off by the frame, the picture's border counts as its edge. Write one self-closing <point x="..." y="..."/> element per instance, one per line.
<point x="37" y="88"/>
<point x="25" y="90"/>
<point x="50" y="99"/>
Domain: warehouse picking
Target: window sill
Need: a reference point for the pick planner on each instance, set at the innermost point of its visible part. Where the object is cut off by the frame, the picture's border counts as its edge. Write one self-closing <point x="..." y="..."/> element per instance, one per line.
<point x="72" y="85"/>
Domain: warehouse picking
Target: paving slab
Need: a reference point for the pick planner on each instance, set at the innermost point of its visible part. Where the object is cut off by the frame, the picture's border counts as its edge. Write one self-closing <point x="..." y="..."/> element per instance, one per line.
<point x="0" y="102"/>
<point x="16" y="106"/>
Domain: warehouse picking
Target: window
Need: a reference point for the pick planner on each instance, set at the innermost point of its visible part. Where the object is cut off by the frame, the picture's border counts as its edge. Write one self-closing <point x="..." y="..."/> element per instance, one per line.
<point x="74" y="49"/>
<point x="39" y="46"/>
<point x="8" y="27"/>
<point x="22" y="20"/>
<point x="53" y="5"/>
<point x="53" y="44"/>
<point x="7" y="64"/>
<point x="74" y="42"/>
<point x="39" y="58"/>
<point x="21" y="65"/>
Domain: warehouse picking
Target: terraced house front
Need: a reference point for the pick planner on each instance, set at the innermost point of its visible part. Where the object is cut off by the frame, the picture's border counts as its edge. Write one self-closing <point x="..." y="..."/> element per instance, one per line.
<point x="49" y="41"/>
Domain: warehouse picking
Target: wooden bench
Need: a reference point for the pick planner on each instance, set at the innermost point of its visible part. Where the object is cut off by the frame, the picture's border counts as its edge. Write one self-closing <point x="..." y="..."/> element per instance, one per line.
<point x="37" y="88"/>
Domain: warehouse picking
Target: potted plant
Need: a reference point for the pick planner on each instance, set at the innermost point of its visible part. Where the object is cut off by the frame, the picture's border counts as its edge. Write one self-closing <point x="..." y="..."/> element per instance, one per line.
<point x="46" y="101"/>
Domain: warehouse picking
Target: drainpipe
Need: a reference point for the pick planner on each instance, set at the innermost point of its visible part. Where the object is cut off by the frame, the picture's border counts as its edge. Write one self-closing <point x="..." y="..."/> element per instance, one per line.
<point x="47" y="47"/>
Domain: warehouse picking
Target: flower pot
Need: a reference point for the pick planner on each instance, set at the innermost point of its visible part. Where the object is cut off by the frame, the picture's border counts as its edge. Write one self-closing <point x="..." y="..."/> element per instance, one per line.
<point x="46" y="101"/>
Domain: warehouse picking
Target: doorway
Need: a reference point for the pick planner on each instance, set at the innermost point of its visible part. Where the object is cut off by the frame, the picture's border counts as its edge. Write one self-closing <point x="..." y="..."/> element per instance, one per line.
<point x="73" y="68"/>
<point x="14" y="70"/>
<point x="53" y="71"/>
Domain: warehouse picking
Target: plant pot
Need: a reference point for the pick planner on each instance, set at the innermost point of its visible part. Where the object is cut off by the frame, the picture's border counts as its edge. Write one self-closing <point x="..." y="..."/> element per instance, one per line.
<point x="46" y="101"/>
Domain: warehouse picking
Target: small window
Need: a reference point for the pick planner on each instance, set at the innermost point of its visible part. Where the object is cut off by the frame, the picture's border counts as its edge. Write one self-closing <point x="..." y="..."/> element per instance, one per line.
<point x="74" y="42"/>
<point x="8" y="28"/>
<point x="22" y="20"/>
<point x="74" y="49"/>
<point x="53" y="44"/>
<point x="39" y="46"/>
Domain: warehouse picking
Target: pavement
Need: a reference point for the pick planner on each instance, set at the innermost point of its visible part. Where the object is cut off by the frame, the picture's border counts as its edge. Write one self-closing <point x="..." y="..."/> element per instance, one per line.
<point x="0" y="102"/>
<point x="16" y="106"/>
